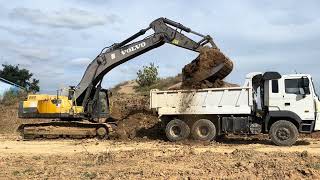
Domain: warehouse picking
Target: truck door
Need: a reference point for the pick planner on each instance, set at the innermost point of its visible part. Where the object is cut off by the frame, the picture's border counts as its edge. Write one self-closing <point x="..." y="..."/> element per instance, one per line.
<point x="296" y="100"/>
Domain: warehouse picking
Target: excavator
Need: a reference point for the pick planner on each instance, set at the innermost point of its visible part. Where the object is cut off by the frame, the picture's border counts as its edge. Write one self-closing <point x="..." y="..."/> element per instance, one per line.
<point x="83" y="110"/>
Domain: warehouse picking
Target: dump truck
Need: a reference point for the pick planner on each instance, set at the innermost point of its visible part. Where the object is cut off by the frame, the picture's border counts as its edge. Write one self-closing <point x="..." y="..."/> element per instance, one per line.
<point x="270" y="103"/>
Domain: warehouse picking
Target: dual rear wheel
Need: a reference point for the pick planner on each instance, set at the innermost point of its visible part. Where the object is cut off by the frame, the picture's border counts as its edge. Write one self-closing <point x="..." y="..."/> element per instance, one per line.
<point x="202" y="130"/>
<point x="282" y="132"/>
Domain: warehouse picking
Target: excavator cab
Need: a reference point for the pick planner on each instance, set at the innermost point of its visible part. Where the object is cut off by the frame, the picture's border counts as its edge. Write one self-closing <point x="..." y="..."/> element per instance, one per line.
<point x="98" y="108"/>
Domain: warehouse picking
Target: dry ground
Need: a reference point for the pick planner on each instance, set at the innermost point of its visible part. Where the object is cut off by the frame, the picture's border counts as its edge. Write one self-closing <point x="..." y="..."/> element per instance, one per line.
<point x="245" y="158"/>
<point x="148" y="155"/>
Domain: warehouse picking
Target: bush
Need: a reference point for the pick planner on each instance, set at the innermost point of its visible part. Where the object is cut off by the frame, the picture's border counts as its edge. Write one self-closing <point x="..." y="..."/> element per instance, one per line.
<point x="12" y="97"/>
<point x="161" y="84"/>
<point x="148" y="75"/>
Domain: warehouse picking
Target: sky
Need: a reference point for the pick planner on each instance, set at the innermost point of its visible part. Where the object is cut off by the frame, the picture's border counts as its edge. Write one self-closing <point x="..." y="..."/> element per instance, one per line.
<point x="57" y="39"/>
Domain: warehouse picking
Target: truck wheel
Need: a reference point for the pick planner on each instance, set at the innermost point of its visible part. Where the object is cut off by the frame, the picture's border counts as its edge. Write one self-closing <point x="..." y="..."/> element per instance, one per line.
<point x="283" y="133"/>
<point x="203" y="130"/>
<point x="177" y="130"/>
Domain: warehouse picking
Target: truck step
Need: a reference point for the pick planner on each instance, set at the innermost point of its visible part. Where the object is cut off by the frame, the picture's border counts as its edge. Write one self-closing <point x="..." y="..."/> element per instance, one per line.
<point x="306" y="127"/>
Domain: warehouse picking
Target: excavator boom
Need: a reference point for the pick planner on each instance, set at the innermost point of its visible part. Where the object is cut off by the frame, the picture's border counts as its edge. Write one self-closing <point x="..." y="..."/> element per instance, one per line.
<point x="119" y="53"/>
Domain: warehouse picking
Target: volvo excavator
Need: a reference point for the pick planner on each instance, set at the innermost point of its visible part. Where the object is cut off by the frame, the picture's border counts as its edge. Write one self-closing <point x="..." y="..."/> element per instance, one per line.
<point x="84" y="110"/>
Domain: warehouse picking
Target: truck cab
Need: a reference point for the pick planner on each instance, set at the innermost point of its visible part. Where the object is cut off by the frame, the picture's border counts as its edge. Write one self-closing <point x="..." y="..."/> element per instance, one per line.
<point x="292" y="97"/>
<point x="289" y="104"/>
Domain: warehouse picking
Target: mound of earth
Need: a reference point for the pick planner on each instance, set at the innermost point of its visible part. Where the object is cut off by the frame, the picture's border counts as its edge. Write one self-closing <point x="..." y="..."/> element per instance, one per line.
<point x="135" y="119"/>
<point x="207" y="71"/>
<point x="128" y="87"/>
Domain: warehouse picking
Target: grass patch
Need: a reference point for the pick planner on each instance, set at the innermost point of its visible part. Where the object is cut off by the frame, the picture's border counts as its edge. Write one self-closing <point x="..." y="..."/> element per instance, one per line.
<point x="16" y="173"/>
<point x="88" y="165"/>
<point x="36" y="158"/>
<point x="89" y="175"/>
<point x="314" y="166"/>
<point x="12" y="97"/>
<point x="28" y="171"/>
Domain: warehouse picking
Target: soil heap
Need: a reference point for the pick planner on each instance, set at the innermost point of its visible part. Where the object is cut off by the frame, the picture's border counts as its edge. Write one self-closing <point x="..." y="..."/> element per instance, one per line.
<point x="135" y="119"/>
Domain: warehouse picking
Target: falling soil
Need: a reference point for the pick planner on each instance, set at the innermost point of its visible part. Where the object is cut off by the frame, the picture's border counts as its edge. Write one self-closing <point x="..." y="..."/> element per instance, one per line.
<point x="207" y="71"/>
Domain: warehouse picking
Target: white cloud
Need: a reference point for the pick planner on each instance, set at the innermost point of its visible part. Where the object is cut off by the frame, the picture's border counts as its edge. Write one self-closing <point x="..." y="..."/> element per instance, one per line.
<point x="71" y="18"/>
<point x="21" y="31"/>
<point x="80" y="61"/>
<point x="28" y="52"/>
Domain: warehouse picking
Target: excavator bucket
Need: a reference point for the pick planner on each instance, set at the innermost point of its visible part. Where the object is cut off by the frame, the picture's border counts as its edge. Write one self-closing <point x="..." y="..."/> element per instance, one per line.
<point x="210" y="66"/>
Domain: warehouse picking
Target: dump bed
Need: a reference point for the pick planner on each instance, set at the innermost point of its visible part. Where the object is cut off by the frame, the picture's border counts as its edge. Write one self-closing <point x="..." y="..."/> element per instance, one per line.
<point x="234" y="100"/>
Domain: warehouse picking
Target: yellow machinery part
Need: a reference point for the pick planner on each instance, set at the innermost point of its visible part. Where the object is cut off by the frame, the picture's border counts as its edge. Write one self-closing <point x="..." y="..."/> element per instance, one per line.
<point x="50" y="104"/>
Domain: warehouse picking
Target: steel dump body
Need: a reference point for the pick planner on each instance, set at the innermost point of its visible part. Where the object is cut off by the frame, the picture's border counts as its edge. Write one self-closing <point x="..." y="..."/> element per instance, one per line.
<point x="233" y="100"/>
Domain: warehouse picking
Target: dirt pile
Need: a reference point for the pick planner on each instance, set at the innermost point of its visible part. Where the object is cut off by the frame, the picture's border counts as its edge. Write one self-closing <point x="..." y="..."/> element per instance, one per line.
<point x="124" y="105"/>
<point x="134" y="118"/>
<point x="208" y="70"/>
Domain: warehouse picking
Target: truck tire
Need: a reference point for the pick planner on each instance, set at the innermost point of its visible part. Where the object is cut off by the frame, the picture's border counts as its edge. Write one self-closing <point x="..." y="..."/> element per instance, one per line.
<point x="283" y="133"/>
<point x="177" y="130"/>
<point x="203" y="130"/>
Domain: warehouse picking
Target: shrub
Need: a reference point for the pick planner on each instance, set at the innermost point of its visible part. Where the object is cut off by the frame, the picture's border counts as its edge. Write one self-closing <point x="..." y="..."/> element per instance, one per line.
<point x="161" y="84"/>
<point x="89" y="175"/>
<point x="12" y="96"/>
<point x="148" y="75"/>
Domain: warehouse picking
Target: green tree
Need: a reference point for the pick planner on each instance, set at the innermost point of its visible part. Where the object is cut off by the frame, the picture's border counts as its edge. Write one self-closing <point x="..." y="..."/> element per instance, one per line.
<point x="34" y="86"/>
<point x="148" y="75"/>
<point x="21" y="77"/>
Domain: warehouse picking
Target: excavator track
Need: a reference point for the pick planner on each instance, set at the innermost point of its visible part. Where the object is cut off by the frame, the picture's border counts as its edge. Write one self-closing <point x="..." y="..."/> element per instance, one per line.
<point x="66" y="129"/>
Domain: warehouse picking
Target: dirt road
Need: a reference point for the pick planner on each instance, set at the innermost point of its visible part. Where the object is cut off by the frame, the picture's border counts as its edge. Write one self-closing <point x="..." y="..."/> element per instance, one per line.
<point x="143" y="158"/>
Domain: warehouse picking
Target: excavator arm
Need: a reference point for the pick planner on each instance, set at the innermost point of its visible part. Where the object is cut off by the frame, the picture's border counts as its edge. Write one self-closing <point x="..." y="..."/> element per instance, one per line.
<point x="165" y="31"/>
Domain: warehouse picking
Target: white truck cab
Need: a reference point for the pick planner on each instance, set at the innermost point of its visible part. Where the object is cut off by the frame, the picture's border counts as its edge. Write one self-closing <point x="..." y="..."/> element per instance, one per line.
<point x="293" y="96"/>
<point x="281" y="105"/>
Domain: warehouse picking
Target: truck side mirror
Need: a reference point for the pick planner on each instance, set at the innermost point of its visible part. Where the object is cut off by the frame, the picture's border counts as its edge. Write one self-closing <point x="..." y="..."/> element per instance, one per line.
<point x="304" y="84"/>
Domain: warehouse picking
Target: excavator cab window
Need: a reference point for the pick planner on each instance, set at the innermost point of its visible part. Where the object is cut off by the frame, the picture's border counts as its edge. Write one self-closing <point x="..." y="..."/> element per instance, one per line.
<point x="103" y="99"/>
<point x="102" y="102"/>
